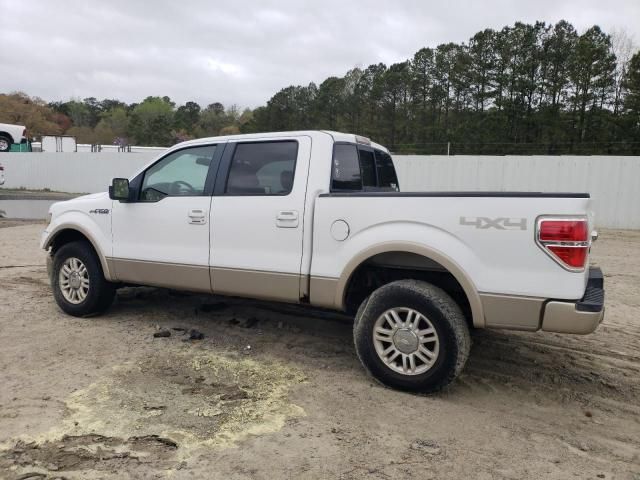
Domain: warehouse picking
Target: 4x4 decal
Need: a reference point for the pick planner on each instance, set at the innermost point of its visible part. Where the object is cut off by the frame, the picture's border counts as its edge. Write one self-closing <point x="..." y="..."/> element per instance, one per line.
<point x="501" y="223"/>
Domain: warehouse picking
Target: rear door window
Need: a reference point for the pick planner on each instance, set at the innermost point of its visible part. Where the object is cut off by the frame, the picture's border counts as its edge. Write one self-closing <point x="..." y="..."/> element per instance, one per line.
<point x="262" y="168"/>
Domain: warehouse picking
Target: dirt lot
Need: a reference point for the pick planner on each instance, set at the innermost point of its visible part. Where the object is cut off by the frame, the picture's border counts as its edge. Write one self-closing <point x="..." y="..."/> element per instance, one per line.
<point x="273" y="392"/>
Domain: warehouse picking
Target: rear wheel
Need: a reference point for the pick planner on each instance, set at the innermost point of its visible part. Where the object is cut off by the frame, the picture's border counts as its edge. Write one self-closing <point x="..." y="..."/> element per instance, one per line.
<point x="5" y="143"/>
<point x="78" y="282"/>
<point x="412" y="336"/>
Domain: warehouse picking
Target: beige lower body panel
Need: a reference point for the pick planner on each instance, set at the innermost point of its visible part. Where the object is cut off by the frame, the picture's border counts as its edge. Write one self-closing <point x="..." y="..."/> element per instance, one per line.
<point x="323" y="292"/>
<point x="158" y="274"/>
<point x="281" y="287"/>
<point x="500" y="311"/>
<point x="512" y="312"/>
<point x="527" y="313"/>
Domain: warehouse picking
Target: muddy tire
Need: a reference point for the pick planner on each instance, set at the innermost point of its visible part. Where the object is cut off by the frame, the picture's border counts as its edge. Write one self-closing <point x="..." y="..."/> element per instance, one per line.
<point x="412" y="336"/>
<point x="78" y="282"/>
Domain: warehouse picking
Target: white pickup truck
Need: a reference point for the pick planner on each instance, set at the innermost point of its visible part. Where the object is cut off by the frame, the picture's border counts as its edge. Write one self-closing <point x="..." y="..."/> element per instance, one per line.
<point x="10" y="134"/>
<point x="317" y="218"/>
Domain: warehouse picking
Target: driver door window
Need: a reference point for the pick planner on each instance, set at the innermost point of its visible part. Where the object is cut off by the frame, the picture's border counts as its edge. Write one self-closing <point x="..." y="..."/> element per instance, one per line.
<point x="180" y="174"/>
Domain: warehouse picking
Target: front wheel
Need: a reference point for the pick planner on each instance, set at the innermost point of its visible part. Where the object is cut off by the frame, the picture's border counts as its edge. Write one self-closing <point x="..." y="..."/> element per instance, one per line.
<point x="78" y="282"/>
<point x="412" y="336"/>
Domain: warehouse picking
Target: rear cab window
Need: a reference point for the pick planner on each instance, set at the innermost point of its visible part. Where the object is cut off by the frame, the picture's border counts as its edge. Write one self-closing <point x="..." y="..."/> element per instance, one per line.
<point x="387" y="177"/>
<point x="357" y="168"/>
<point x="368" y="169"/>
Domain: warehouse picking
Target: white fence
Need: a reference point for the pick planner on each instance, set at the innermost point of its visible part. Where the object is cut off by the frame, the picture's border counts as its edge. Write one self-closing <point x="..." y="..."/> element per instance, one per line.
<point x="70" y="172"/>
<point x="614" y="182"/>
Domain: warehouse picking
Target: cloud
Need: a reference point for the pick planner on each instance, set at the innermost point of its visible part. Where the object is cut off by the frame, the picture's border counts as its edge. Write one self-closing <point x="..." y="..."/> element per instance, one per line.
<point x="243" y="52"/>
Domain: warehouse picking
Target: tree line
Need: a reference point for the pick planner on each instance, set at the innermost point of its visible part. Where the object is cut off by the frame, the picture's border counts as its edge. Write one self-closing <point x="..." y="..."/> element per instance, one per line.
<point x="522" y="89"/>
<point x="527" y="88"/>
<point x="156" y="121"/>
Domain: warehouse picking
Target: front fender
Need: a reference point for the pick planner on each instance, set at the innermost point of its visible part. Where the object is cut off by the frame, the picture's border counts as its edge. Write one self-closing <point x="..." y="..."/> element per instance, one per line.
<point x="96" y="230"/>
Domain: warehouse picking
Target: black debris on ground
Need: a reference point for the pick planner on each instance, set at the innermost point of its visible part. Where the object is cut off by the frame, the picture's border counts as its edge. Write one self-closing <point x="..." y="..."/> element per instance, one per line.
<point x="195" y="335"/>
<point x="162" y="334"/>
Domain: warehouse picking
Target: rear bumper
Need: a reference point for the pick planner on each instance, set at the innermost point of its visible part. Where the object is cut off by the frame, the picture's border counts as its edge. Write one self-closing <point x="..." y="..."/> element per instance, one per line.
<point x="579" y="317"/>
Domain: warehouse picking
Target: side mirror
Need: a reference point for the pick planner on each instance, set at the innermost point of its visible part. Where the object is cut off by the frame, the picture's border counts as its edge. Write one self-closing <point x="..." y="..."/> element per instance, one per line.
<point x="119" y="189"/>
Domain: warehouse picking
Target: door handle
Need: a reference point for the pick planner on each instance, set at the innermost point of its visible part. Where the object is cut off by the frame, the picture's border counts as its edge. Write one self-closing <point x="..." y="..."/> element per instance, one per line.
<point x="197" y="216"/>
<point x="287" y="219"/>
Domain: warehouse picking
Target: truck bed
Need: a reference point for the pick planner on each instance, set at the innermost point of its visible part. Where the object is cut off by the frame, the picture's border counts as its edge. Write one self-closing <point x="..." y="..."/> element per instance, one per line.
<point x="488" y="235"/>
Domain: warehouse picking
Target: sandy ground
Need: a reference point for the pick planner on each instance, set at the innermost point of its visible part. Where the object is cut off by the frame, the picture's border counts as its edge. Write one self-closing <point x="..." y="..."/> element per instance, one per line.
<point x="276" y="392"/>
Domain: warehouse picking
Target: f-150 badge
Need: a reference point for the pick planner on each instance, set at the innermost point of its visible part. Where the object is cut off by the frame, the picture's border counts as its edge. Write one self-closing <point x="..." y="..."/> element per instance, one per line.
<point x="501" y="223"/>
<point x="100" y="211"/>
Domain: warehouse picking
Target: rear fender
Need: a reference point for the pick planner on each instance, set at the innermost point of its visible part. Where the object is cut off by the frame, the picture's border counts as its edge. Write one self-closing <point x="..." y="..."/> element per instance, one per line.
<point x="443" y="248"/>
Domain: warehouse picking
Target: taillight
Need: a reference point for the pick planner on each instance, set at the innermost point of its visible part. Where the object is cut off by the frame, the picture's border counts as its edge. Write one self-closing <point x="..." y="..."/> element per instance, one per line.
<point x="566" y="240"/>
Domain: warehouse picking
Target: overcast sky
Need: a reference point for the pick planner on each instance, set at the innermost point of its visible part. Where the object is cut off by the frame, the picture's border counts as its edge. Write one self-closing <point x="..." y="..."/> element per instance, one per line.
<point x="243" y="52"/>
